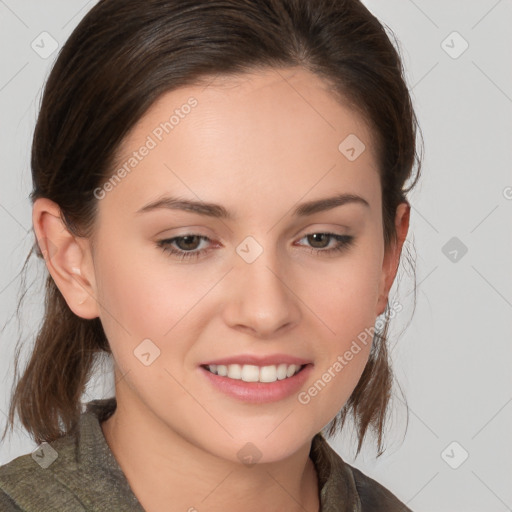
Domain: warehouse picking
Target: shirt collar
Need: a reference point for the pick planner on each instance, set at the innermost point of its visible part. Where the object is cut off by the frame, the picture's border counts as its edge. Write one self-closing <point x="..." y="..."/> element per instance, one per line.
<point x="336" y="486"/>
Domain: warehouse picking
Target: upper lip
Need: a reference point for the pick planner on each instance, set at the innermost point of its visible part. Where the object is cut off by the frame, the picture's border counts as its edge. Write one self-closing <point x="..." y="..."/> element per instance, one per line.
<point x="269" y="360"/>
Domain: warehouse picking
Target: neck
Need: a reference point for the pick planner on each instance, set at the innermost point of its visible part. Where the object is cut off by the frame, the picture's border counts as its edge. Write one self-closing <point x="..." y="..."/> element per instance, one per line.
<point x="163" y="467"/>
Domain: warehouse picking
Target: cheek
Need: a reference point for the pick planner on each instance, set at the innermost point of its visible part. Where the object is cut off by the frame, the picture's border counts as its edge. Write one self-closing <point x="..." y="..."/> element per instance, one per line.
<point x="142" y="294"/>
<point x="345" y="308"/>
<point x="143" y="299"/>
<point x="344" y="295"/>
<point x="146" y="313"/>
<point x="340" y="362"/>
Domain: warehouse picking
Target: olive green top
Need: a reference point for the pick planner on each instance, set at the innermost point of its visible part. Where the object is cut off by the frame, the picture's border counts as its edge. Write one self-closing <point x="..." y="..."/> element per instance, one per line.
<point x="78" y="473"/>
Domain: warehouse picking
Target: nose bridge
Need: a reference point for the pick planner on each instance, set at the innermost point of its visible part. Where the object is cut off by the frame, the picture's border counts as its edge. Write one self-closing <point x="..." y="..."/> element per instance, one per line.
<point x="263" y="301"/>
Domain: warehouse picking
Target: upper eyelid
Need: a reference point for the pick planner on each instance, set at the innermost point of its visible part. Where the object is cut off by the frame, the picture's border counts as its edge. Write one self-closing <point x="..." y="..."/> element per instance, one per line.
<point x="308" y="231"/>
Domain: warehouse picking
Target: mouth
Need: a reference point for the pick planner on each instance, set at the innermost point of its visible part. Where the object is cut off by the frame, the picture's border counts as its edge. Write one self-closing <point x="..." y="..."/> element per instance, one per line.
<point x="255" y="373"/>
<point x="257" y="384"/>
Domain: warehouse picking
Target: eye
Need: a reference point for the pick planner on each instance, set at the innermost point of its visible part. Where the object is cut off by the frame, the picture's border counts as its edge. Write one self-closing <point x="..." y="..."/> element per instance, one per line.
<point x="318" y="240"/>
<point x="186" y="247"/>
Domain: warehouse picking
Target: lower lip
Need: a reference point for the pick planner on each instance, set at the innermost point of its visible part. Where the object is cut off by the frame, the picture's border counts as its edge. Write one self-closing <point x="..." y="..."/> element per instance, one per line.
<point x="259" y="392"/>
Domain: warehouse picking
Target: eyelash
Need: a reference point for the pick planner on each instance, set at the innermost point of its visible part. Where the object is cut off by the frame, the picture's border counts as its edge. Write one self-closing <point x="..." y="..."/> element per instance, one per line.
<point x="344" y="242"/>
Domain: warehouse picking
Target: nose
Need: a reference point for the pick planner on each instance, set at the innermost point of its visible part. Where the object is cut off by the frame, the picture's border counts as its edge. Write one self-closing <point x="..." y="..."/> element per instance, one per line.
<point x="261" y="300"/>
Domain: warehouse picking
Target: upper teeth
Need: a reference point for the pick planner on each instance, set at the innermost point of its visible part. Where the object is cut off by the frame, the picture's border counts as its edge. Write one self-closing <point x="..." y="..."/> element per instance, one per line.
<point x="252" y="373"/>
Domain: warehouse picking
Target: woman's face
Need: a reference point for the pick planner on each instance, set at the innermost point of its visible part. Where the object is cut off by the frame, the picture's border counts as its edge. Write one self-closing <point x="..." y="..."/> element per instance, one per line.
<point x="252" y="277"/>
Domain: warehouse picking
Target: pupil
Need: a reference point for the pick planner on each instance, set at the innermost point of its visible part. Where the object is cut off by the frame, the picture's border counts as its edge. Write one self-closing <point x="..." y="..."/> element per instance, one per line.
<point x="316" y="235"/>
<point x="187" y="241"/>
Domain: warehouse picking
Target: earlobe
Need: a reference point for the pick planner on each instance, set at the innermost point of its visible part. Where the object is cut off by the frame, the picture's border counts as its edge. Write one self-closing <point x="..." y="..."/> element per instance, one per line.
<point x="392" y="256"/>
<point x="65" y="257"/>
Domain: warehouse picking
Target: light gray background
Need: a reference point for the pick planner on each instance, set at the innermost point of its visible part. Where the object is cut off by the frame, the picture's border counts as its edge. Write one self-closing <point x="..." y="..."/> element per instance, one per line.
<point x="454" y="359"/>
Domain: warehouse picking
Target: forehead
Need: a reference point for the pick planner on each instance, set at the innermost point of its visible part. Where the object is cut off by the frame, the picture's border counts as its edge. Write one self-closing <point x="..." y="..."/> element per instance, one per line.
<point x="275" y="130"/>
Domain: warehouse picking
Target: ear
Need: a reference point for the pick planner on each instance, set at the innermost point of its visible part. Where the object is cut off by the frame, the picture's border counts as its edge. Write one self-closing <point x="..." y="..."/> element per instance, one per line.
<point x="392" y="256"/>
<point x="68" y="258"/>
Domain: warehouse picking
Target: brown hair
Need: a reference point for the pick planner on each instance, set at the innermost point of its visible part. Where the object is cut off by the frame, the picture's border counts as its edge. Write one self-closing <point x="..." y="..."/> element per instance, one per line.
<point x="124" y="55"/>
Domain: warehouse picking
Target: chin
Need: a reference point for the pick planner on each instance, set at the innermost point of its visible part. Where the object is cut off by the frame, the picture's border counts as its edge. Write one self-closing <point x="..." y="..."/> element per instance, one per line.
<point x="266" y="444"/>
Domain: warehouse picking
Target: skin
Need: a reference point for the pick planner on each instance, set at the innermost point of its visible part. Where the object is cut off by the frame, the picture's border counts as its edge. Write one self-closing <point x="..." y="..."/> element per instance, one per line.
<point x="257" y="144"/>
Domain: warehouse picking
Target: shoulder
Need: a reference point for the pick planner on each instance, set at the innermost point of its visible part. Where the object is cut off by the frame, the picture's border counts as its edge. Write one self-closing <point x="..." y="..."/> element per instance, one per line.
<point x="7" y="504"/>
<point x="374" y="496"/>
<point x="76" y="472"/>
<point x="345" y="488"/>
<point x="23" y="480"/>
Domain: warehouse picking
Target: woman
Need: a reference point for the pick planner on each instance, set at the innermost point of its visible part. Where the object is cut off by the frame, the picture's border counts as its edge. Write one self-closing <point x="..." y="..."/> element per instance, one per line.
<point x="219" y="197"/>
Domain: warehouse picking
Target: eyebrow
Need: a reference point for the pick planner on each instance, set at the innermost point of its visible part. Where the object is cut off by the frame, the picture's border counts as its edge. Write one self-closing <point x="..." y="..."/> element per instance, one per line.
<point x="218" y="211"/>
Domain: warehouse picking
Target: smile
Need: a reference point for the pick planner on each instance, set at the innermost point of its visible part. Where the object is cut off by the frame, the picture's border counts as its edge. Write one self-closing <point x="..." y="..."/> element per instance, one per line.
<point x="253" y="373"/>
